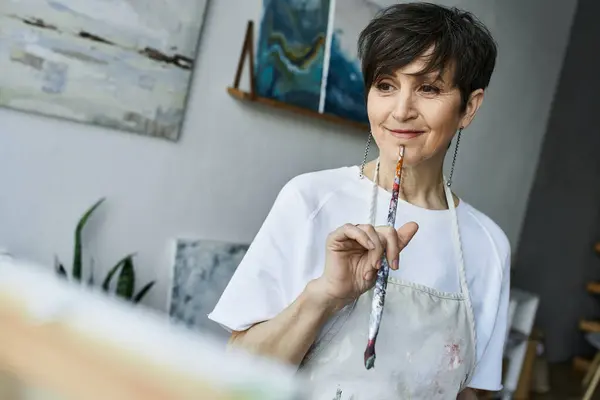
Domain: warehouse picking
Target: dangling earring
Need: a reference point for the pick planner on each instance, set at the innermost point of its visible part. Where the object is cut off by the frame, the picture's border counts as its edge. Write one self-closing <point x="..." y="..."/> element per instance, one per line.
<point x="454" y="158"/>
<point x="362" y="167"/>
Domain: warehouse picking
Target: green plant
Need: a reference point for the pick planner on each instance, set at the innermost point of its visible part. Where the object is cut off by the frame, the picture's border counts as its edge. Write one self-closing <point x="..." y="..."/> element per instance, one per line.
<point x="125" y="287"/>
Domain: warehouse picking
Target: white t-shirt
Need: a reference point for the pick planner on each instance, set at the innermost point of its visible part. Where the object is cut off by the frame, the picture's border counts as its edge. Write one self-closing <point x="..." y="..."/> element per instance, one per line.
<point x="289" y="251"/>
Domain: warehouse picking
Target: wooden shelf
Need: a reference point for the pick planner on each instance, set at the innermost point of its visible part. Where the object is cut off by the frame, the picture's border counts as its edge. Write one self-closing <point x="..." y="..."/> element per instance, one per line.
<point x="593" y="287"/>
<point x="246" y="96"/>
<point x="589" y="326"/>
<point x="581" y="364"/>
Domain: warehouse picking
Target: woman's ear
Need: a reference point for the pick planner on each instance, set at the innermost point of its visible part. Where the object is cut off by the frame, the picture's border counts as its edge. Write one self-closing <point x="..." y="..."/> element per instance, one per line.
<point x="473" y="104"/>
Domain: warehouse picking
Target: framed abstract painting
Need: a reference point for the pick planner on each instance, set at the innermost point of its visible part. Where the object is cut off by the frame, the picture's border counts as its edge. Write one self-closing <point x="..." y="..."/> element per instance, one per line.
<point x="120" y="64"/>
<point x="307" y="55"/>
<point x="201" y="271"/>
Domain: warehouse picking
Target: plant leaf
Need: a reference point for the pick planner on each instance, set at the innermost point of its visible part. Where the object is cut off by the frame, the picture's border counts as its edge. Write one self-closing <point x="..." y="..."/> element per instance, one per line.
<point x="126" y="282"/>
<point x="60" y="269"/>
<point x="91" y="278"/>
<point x="112" y="272"/>
<point x="138" y="297"/>
<point x="77" y="252"/>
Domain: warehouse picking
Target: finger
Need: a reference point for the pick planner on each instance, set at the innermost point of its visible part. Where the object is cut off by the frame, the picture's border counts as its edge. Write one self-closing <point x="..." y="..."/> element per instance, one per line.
<point x="392" y="250"/>
<point x="350" y="233"/>
<point x="370" y="275"/>
<point x="405" y="234"/>
<point x="380" y="243"/>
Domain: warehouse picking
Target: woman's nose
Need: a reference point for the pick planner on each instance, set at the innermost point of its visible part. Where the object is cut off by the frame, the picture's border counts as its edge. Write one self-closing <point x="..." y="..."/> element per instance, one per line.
<point x="405" y="106"/>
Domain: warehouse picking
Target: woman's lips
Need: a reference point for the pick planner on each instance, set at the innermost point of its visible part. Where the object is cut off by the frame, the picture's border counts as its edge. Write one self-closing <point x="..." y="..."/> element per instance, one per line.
<point x="405" y="133"/>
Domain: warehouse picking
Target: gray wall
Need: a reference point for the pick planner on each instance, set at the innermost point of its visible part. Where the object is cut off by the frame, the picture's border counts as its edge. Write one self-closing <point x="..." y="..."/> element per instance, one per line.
<point x="220" y="179"/>
<point x="555" y="257"/>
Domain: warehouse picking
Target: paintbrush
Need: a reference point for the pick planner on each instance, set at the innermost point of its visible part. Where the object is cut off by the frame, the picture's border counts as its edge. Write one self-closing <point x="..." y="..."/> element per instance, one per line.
<point x="383" y="272"/>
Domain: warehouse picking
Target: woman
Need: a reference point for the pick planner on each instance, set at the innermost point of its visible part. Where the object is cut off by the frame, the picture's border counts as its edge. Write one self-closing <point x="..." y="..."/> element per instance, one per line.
<point x="302" y="293"/>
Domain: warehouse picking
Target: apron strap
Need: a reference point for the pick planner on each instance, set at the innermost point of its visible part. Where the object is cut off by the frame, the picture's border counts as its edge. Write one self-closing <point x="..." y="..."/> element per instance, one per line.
<point x="464" y="287"/>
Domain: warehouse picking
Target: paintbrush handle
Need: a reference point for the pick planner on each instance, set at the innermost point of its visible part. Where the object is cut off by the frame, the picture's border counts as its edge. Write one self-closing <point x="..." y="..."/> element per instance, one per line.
<point x="383" y="273"/>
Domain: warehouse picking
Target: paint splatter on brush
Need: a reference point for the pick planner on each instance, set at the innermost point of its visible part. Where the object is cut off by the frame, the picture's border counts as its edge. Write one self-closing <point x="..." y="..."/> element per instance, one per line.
<point x="382" y="273"/>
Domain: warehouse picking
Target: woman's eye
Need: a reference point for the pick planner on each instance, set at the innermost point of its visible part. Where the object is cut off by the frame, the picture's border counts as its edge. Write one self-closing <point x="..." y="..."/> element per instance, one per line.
<point x="384" y="87"/>
<point x="430" y="89"/>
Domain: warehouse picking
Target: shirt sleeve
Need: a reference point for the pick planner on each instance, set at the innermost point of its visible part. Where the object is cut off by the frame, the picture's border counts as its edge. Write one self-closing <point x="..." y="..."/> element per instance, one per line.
<point x="488" y="374"/>
<point x="260" y="287"/>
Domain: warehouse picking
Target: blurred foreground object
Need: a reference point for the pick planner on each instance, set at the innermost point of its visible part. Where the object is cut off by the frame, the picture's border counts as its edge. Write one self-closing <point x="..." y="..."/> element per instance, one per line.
<point x="62" y="341"/>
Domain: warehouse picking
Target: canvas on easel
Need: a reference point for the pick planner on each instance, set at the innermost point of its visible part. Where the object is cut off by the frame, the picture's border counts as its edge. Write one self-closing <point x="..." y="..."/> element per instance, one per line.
<point x="63" y="341"/>
<point x="523" y="308"/>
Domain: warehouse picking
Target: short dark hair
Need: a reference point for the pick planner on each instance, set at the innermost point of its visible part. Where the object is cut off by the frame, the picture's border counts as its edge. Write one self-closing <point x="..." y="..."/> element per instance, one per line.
<point x="403" y="32"/>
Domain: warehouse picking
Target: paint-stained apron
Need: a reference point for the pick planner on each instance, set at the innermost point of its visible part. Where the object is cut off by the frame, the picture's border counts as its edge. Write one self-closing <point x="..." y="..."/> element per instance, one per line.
<point x="426" y="347"/>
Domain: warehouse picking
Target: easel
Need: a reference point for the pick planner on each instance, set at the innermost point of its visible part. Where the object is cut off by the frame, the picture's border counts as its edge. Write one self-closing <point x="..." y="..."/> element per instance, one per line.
<point x="54" y="345"/>
<point x="247" y="52"/>
<point x="235" y="91"/>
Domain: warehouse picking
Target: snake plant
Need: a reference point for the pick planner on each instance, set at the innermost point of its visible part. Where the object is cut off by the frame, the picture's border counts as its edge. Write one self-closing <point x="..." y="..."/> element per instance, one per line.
<point x="125" y="287"/>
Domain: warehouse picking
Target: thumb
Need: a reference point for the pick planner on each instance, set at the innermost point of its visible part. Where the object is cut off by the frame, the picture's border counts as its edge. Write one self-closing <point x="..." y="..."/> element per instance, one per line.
<point x="405" y="234"/>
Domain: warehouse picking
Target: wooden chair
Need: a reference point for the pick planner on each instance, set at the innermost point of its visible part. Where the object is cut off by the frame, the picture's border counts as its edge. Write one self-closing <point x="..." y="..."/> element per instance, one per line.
<point x="592" y="377"/>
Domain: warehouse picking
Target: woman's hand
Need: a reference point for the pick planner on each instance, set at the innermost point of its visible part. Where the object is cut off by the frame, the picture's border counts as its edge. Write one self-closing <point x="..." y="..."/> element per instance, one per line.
<point x="353" y="257"/>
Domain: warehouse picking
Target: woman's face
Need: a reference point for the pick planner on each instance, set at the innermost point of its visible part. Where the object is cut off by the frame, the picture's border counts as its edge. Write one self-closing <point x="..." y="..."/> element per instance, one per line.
<point x="422" y="112"/>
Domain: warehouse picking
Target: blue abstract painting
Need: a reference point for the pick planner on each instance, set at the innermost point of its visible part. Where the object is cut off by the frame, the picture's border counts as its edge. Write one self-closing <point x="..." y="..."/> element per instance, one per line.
<point x="291" y="51"/>
<point x="307" y="55"/>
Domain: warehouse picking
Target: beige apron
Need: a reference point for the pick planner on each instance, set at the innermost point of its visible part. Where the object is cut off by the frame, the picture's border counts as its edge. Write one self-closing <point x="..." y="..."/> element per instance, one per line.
<point x="426" y="347"/>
